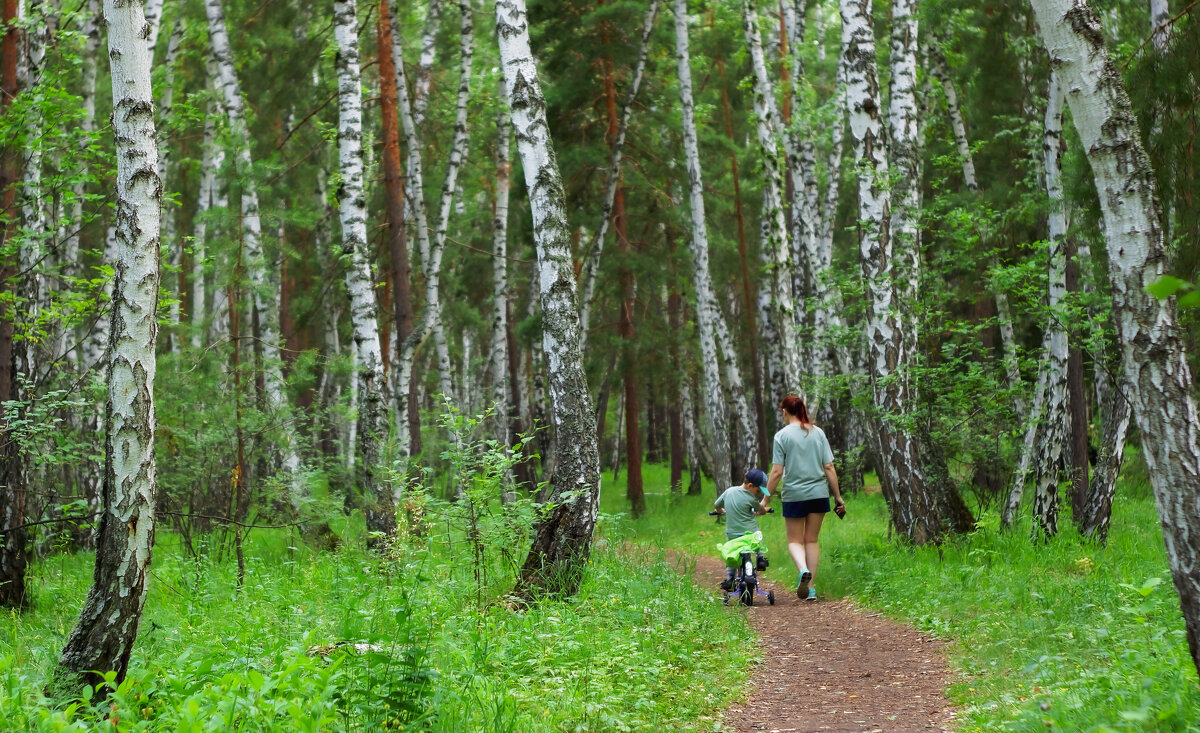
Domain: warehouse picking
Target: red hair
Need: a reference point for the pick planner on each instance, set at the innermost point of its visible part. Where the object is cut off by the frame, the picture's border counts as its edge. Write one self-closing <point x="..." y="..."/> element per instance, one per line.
<point x="794" y="406"/>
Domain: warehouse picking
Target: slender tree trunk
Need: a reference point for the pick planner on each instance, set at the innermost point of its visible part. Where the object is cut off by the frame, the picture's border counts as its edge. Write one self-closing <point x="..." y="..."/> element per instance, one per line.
<point x="904" y="149"/>
<point x="692" y="437"/>
<point x="263" y="270"/>
<point x="918" y="509"/>
<point x="675" y="397"/>
<point x="90" y="28"/>
<point x="212" y="158"/>
<point x="13" y="541"/>
<point x="760" y="413"/>
<point x="431" y="250"/>
<point x="108" y="624"/>
<point x="498" y="358"/>
<point x="563" y="535"/>
<point x="706" y="303"/>
<point x="424" y="81"/>
<point x="393" y="172"/>
<point x="153" y="13"/>
<point x="370" y="380"/>
<point x="1157" y="377"/>
<point x="1053" y="437"/>
<point x="1114" y="407"/>
<point x="1033" y="423"/>
<point x="166" y="100"/>
<point x="1077" y="444"/>
<point x="776" y="252"/>
<point x="592" y="261"/>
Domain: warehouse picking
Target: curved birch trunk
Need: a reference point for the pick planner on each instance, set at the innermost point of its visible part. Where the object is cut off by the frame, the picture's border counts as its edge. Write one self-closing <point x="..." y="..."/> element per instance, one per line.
<point x="563" y="535"/>
<point x="352" y="207"/>
<point x="1157" y="377"/>
<point x="1115" y="413"/>
<point x="919" y="510"/>
<point x="1056" y="426"/>
<point x="108" y="624"/>
<point x="591" y="265"/>
<point x="262" y="270"/>
<point x="707" y="311"/>
<point x="785" y="357"/>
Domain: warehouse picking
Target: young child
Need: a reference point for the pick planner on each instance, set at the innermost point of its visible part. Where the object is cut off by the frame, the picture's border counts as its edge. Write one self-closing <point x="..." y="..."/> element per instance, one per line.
<point x="741" y="505"/>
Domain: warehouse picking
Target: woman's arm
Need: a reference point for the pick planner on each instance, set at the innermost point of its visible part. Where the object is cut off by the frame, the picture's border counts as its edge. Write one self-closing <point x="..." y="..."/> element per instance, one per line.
<point x="773" y="480"/>
<point x="831" y="477"/>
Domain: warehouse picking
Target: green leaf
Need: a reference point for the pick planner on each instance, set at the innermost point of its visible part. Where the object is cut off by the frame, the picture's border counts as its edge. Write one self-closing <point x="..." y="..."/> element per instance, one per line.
<point x="1165" y="287"/>
<point x="1190" y="300"/>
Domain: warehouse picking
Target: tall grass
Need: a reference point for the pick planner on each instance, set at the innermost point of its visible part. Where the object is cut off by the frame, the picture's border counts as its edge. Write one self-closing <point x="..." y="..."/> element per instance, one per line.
<point x="1061" y="635"/>
<point x="639" y="648"/>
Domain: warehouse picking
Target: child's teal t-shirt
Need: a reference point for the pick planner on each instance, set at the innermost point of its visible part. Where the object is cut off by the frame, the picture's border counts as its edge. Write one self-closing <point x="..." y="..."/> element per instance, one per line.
<point x="739" y="511"/>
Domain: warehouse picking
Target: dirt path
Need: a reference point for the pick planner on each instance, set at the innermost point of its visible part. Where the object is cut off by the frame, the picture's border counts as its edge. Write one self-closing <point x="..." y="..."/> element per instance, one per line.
<point x="828" y="666"/>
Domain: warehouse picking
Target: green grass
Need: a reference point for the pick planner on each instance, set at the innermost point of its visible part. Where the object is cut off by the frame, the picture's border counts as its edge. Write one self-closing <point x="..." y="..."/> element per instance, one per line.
<point x="624" y="654"/>
<point x="1063" y="635"/>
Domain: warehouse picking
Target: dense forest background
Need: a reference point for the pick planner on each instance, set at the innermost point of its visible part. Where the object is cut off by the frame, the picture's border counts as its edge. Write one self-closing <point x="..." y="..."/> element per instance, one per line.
<point x="718" y="226"/>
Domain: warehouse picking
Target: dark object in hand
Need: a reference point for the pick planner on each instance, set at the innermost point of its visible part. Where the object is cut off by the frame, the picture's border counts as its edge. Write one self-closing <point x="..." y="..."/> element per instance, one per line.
<point x="840" y="511"/>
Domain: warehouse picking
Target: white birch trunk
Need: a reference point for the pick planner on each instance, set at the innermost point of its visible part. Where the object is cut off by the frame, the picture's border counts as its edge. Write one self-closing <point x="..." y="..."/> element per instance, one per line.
<point x="34" y="215"/>
<point x="429" y="320"/>
<point x="707" y="311"/>
<point x="261" y="269"/>
<point x="425" y="61"/>
<point x="1157" y="377"/>
<point x="563" y="535"/>
<point x="1160" y="14"/>
<point x="904" y="148"/>
<point x="174" y="248"/>
<point x="90" y="28"/>
<point x="499" y="348"/>
<point x="211" y="161"/>
<point x="592" y="261"/>
<point x="912" y="501"/>
<point x="782" y="351"/>
<point x="352" y="207"/>
<point x="1115" y="413"/>
<point x="108" y="624"/>
<point x="738" y="407"/>
<point x="1033" y="423"/>
<point x="153" y="13"/>
<point x="1057" y="424"/>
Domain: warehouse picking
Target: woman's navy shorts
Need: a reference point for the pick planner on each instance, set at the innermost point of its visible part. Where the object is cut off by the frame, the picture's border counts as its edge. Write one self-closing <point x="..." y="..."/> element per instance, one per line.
<point x="798" y="509"/>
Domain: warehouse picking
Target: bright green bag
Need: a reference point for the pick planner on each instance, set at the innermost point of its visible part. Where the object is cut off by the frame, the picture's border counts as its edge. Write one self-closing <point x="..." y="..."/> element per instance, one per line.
<point x="732" y="550"/>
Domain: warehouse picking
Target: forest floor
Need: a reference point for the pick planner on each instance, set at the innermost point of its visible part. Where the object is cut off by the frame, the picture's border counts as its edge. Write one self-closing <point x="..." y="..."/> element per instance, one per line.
<point x="830" y="666"/>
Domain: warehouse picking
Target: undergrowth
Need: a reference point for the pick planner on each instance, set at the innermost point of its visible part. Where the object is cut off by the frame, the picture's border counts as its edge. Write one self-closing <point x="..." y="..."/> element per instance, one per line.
<point x="1062" y="635"/>
<point x="440" y="647"/>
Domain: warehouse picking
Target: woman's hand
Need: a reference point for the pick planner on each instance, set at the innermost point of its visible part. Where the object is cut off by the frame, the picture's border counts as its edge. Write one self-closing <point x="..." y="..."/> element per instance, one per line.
<point x="839" y="508"/>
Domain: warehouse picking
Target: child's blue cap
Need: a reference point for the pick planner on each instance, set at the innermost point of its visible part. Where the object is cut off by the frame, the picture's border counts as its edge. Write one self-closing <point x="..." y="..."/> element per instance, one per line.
<point x="758" y="478"/>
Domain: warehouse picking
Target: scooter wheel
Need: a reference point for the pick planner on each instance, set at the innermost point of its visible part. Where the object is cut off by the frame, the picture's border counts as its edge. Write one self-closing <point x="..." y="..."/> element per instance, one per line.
<point x="771" y="597"/>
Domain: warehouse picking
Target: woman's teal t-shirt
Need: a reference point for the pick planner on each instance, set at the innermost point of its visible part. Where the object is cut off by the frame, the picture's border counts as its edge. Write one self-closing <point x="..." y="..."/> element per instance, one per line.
<point x="803" y="455"/>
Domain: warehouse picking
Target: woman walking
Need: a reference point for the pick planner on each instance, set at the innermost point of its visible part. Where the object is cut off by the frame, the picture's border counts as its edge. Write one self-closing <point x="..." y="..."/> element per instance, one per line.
<point x="803" y="462"/>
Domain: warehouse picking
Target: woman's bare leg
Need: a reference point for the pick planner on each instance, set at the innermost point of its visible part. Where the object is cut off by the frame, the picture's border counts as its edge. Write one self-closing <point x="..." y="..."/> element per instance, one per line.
<point x="812" y="528"/>
<point x="795" y="540"/>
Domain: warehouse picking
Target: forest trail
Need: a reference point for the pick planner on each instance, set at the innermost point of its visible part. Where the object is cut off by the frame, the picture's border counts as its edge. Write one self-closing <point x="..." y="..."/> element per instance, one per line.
<point x="829" y="666"/>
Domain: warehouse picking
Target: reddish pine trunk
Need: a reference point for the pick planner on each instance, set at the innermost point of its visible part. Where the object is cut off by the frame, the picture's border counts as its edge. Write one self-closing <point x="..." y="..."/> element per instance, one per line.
<point x="12" y="494"/>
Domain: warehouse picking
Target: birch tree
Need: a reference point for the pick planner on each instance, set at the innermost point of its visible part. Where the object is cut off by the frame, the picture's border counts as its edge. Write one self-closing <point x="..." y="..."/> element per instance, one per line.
<point x="1056" y="425"/>
<point x="919" y="510"/>
<point x="904" y="148"/>
<point x="563" y="534"/>
<point x="784" y="366"/>
<point x="1156" y="373"/>
<point x="352" y="208"/>
<point x="498" y="353"/>
<point x="707" y="310"/>
<point x="263" y="270"/>
<point x="103" y="638"/>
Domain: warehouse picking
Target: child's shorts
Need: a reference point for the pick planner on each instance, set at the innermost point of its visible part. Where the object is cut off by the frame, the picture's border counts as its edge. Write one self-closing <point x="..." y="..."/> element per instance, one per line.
<point x="798" y="509"/>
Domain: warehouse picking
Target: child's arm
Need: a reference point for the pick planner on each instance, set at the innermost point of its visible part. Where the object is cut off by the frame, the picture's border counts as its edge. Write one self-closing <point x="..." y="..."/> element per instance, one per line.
<point x="719" y="504"/>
